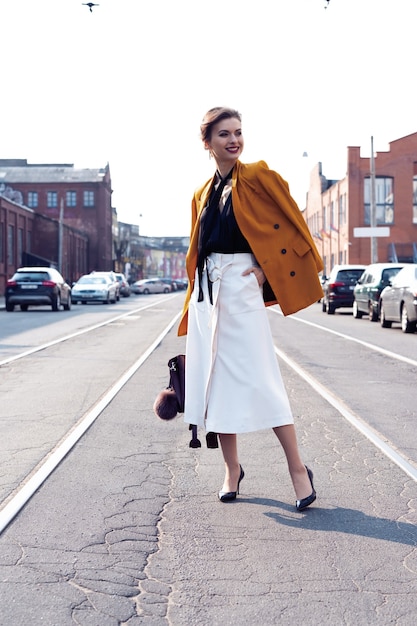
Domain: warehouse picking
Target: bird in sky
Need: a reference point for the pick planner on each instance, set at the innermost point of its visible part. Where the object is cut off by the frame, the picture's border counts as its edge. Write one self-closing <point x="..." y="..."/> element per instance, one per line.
<point x="90" y="5"/>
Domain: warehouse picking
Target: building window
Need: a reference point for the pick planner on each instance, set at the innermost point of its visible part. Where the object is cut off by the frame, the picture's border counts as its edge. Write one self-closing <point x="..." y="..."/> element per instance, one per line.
<point x="10" y="245"/>
<point x="51" y="199"/>
<point x="332" y="223"/>
<point x="33" y="199"/>
<point x="88" y="198"/>
<point x="324" y="226"/>
<point x="71" y="198"/>
<point x="384" y="200"/>
<point x="342" y="210"/>
<point x="414" y="199"/>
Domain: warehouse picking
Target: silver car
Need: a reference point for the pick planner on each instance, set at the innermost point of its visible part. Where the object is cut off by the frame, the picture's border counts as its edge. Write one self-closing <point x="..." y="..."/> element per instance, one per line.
<point x="398" y="301"/>
<point x="113" y="277"/>
<point x="150" y="285"/>
<point x="124" y="285"/>
<point x="93" y="288"/>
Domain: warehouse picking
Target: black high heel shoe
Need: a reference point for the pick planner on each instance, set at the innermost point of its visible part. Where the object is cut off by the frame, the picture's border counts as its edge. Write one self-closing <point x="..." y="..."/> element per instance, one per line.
<point x="228" y="496"/>
<point x="305" y="502"/>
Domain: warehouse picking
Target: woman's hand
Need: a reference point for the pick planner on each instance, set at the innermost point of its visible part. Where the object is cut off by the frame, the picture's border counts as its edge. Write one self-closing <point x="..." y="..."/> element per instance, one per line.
<point x="259" y="275"/>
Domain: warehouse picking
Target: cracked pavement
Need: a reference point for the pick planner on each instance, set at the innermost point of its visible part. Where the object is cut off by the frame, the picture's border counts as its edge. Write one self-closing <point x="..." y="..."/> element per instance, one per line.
<point x="128" y="529"/>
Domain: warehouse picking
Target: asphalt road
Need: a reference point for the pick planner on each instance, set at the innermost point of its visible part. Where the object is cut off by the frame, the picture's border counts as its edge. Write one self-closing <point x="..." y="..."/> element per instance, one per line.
<point x="128" y="530"/>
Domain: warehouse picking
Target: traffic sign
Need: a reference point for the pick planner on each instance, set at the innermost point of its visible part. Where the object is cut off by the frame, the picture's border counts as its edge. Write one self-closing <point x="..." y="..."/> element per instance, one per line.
<point x="377" y="231"/>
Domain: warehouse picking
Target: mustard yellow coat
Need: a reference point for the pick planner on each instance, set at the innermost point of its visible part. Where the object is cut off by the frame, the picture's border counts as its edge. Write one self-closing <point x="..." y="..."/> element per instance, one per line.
<point x="277" y="233"/>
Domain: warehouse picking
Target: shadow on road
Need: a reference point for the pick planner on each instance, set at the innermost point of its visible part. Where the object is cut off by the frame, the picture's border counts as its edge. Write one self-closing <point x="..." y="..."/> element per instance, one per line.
<point x="342" y="520"/>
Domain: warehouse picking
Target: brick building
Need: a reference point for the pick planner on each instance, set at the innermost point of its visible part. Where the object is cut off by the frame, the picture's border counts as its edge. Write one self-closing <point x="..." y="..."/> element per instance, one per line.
<point x="71" y="224"/>
<point x="16" y="228"/>
<point x="336" y="207"/>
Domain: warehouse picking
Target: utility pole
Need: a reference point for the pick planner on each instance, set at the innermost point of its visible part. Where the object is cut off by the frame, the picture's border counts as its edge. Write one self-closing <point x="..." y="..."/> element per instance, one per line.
<point x="374" y="241"/>
<point x="60" y="236"/>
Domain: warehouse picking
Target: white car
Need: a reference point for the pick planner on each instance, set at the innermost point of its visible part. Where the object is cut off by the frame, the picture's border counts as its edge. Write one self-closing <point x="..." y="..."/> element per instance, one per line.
<point x="150" y="285"/>
<point x="93" y="288"/>
<point x="113" y="277"/>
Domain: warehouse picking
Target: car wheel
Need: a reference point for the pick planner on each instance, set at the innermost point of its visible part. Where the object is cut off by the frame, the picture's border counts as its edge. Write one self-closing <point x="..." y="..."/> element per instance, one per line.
<point x="373" y="315"/>
<point x="9" y="307"/>
<point x="356" y="313"/>
<point x="330" y="309"/>
<point x="67" y="306"/>
<point x="24" y="307"/>
<point x="146" y="291"/>
<point x="113" y="300"/>
<point x="56" y="302"/>
<point x="323" y="306"/>
<point x="83" y="302"/>
<point x="406" y="325"/>
<point x="384" y="323"/>
<point x="166" y="290"/>
<point x="107" y="300"/>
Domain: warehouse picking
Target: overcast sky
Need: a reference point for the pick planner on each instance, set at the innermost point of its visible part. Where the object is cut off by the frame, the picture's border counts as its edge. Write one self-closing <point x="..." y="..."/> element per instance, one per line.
<point x="129" y="83"/>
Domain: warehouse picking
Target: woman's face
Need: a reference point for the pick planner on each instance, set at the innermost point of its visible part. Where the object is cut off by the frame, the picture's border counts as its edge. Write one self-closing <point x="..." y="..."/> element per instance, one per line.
<point x="226" y="142"/>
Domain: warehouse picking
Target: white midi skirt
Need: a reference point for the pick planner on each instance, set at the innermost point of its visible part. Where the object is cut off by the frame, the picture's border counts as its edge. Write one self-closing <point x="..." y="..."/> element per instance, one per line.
<point x="232" y="380"/>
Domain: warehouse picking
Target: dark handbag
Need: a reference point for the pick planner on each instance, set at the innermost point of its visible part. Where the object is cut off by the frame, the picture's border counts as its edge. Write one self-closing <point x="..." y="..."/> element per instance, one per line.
<point x="170" y="401"/>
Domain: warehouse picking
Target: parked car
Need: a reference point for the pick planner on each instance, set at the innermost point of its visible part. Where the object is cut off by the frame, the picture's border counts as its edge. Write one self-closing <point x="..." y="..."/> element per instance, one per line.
<point x="150" y="285"/>
<point x="398" y="301"/>
<point x="171" y="283"/>
<point x="112" y="277"/>
<point x="182" y="283"/>
<point x="94" y="288"/>
<point x="367" y="290"/>
<point x="338" y="288"/>
<point x="37" y="286"/>
<point x="124" y="286"/>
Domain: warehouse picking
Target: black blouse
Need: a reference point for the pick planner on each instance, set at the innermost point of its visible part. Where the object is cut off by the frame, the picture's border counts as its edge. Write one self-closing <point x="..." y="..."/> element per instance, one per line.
<point x="225" y="235"/>
<point x="219" y="231"/>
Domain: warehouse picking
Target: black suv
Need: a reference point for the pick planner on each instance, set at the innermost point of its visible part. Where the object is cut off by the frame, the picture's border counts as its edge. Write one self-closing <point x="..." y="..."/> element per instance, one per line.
<point x="338" y="288"/>
<point x="37" y="286"/>
<point x="369" y="287"/>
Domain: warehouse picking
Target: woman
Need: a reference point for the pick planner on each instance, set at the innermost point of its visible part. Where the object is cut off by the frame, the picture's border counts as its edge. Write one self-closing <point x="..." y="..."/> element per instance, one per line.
<point x="250" y="248"/>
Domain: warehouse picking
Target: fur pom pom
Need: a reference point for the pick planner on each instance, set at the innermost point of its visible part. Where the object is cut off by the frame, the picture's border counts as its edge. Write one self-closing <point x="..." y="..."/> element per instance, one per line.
<point x="166" y="404"/>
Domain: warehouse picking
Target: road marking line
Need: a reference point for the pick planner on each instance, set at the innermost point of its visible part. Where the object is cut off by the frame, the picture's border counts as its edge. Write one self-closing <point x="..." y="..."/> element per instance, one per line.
<point x="14" y="503"/>
<point x="21" y="355"/>
<point x="392" y="355"/>
<point x="371" y="434"/>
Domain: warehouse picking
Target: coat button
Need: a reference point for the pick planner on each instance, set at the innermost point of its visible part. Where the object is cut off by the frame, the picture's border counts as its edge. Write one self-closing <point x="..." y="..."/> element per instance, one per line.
<point x="292" y="273"/>
<point x="283" y="251"/>
<point x="276" y="226"/>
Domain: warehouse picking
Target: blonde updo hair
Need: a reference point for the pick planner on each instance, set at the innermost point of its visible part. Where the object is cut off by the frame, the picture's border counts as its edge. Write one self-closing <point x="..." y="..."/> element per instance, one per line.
<point x="212" y="117"/>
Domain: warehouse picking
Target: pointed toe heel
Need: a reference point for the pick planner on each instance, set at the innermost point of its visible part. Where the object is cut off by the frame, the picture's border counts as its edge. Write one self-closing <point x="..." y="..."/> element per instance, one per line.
<point x="228" y="496"/>
<point x="305" y="502"/>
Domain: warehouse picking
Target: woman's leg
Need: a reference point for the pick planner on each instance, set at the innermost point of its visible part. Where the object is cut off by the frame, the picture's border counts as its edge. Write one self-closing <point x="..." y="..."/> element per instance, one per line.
<point x="231" y="461"/>
<point x="288" y="439"/>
